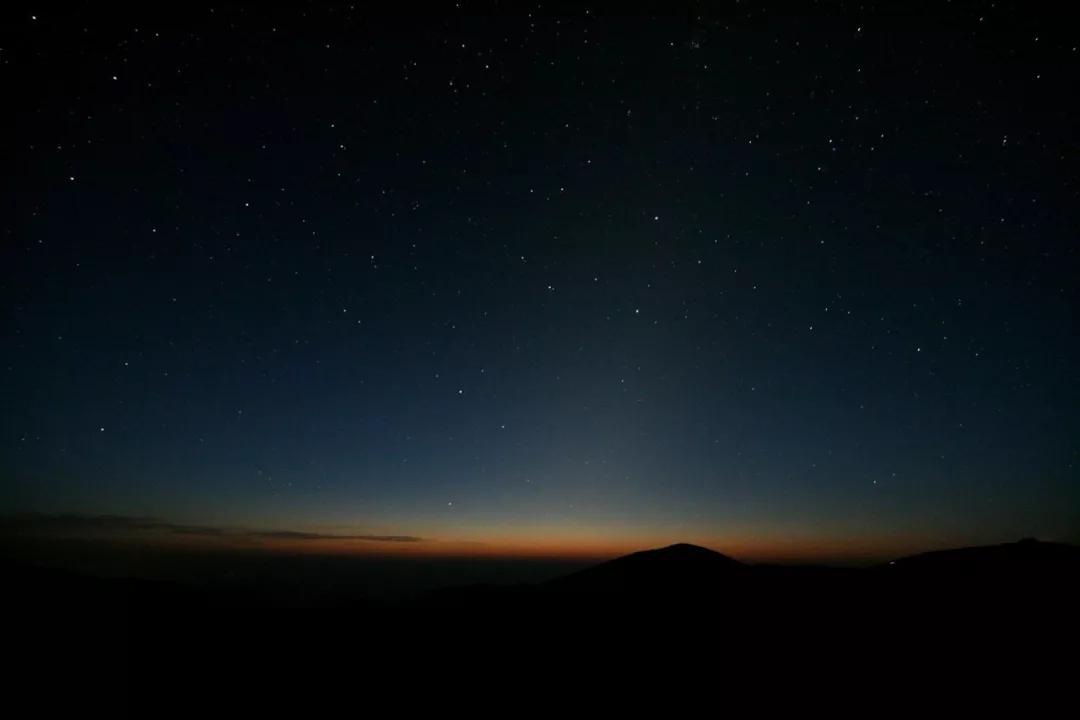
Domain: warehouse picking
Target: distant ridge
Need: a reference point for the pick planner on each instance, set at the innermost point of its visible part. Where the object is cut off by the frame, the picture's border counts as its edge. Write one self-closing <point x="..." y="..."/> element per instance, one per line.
<point x="691" y="571"/>
<point x="1027" y="557"/>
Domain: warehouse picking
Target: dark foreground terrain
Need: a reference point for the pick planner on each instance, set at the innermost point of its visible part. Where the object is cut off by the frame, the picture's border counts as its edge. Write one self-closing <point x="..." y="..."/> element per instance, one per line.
<point x="1011" y="605"/>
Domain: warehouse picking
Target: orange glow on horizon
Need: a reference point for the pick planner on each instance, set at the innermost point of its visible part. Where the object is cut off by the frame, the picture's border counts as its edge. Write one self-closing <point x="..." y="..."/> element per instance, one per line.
<point x="561" y="542"/>
<point x="751" y="549"/>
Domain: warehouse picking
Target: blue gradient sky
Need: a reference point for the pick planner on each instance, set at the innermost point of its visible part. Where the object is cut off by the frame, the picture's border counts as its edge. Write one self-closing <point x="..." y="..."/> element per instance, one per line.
<point x="758" y="280"/>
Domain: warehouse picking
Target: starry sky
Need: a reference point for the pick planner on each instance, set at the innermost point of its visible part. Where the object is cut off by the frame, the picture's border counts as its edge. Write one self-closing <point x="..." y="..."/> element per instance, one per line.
<point x="783" y="279"/>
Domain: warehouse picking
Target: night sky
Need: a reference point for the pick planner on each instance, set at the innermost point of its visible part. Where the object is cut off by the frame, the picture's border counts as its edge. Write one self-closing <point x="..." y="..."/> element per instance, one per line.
<point x="787" y="281"/>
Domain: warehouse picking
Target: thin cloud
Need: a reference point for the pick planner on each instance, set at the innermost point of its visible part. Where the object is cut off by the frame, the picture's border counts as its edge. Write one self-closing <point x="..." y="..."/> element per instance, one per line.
<point x="75" y="524"/>
<point x="294" y="535"/>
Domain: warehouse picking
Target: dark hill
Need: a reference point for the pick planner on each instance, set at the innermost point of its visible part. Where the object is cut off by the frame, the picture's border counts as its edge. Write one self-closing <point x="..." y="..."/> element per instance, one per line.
<point x="676" y="569"/>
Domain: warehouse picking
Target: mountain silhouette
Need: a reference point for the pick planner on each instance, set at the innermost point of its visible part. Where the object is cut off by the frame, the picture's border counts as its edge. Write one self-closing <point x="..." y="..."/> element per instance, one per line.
<point x="1017" y="598"/>
<point x="676" y="569"/>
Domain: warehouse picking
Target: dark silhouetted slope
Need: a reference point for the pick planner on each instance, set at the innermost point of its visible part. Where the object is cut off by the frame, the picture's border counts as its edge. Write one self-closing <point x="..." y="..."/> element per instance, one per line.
<point x="1024" y="572"/>
<point x="1025" y="558"/>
